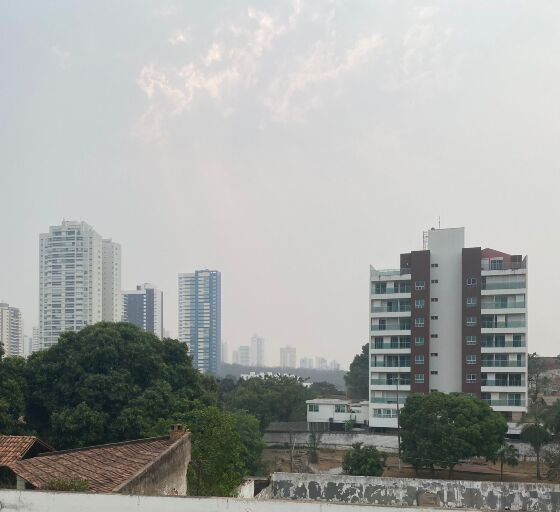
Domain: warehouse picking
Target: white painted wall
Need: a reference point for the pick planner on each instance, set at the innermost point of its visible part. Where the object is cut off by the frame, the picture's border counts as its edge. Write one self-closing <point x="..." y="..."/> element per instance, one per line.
<point x="445" y="247"/>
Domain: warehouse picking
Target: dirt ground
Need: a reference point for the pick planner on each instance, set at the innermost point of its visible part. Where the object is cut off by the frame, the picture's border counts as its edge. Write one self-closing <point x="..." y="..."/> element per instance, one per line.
<point x="278" y="459"/>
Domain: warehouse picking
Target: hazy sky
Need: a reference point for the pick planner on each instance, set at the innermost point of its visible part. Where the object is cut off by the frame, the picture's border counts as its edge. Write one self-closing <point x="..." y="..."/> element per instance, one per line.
<point x="286" y="144"/>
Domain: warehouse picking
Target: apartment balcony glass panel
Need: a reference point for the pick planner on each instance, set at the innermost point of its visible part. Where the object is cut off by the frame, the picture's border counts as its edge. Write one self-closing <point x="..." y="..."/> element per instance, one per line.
<point x="506" y="402"/>
<point x="502" y="305"/>
<point x="509" y="285"/>
<point x="388" y="400"/>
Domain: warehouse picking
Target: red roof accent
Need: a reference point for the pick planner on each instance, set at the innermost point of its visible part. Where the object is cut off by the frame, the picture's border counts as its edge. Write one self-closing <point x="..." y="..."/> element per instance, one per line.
<point x="13" y="448"/>
<point x="105" y="467"/>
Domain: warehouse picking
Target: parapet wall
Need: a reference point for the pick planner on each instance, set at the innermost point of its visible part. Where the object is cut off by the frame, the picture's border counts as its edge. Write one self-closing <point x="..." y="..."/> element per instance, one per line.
<point x="406" y="492"/>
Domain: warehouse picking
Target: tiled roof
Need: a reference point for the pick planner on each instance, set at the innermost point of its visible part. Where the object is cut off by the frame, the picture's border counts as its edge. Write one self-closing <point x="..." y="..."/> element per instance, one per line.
<point x="13" y="448"/>
<point x="105" y="467"/>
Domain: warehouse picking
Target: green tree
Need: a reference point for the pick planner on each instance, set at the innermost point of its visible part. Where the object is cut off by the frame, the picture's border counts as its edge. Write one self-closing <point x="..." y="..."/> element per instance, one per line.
<point x="506" y="454"/>
<point x="441" y="429"/>
<point x="324" y="389"/>
<point x="110" y="382"/>
<point x="552" y="461"/>
<point x="551" y="417"/>
<point x="270" y="399"/>
<point x="357" y="379"/>
<point x="535" y="370"/>
<point x="313" y="447"/>
<point x="218" y="462"/>
<point x="12" y="395"/>
<point x="363" y="461"/>
<point x="537" y="436"/>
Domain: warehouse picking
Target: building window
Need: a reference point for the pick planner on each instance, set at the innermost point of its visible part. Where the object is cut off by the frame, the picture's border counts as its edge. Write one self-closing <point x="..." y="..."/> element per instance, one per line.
<point x="471" y="321"/>
<point x="435" y="265"/>
<point x="435" y="281"/>
<point x="419" y="322"/>
<point x="471" y="282"/>
<point x="471" y="359"/>
<point x="313" y="407"/>
<point x="419" y="340"/>
<point x="419" y="285"/>
<point x="340" y="408"/>
<point x="434" y="372"/>
<point x="471" y="340"/>
<point x="419" y="378"/>
<point x="419" y="359"/>
<point x="419" y="303"/>
<point x="497" y="264"/>
<point x="434" y="299"/>
<point x="471" y="302"/>
<point x="434" y="317"/>
<point x="434" y="354"/>
<point x="433" y="335"/>
<point x="471" y="378"/>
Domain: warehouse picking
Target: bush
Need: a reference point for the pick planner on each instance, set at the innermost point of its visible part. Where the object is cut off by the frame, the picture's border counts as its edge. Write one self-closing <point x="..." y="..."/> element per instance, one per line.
<point x="363" y="461"/>
<point x="68" y="485"/>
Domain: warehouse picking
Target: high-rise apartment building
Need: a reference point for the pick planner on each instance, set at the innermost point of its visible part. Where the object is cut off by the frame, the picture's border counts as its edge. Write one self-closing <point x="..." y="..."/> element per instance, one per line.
<point x="306" y="363"/>
<point x="200" y="318"/>
<point x="244" y="355"/>
<point x="79" y="280"/>
<point x="287" y="357"/>
<point x="257" y="351"/>
<point x="450" y="319"/>
<point x="111" y="282"/>
<point x="225" y="353"/>
<point x="11" y="330"/>
<point x="321" y="363"/>
<point x="144" y="307"/>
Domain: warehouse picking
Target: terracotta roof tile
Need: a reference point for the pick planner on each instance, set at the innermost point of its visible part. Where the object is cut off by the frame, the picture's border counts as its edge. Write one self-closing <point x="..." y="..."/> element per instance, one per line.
<point x="13" y="448"/>
<point x="105" y="467"/>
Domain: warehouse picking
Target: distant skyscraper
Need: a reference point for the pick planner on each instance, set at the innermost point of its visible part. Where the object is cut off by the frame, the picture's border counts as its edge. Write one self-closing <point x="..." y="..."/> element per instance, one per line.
<point x="35" y="340"/>
<point x="257" y="351"/>
<point x="11" y="330"/>
<point x="235" y="357"/>
<point x="111" y="282"/>
<point x="244" y="355"/>
<point x="321" y="363"/>
<point x="144" y="307"/>
<point x="79" y="280"/>
<point x="334" y="365"/>
<point x="288" y="357"/>
<point x="225" y="353"/>
<point x="200" y="318"/>
<point x="306" y="362"/>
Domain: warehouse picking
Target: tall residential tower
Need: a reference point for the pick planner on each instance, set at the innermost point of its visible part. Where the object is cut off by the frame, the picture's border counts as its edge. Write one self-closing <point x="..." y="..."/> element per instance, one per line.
<point x="200" y="318"/>
<point x="79" y="280"/>
<point x="450" y="319"/>
<point x="144" y="307"/>
<point x="11" y="330"/>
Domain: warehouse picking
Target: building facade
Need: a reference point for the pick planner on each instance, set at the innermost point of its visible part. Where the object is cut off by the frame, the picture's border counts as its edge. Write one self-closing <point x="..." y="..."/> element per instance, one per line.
<point x="244" y="355"/>
<point x="287" y="357"/>
<point x="11" y="330"/>
<point x="257" y="351"/>
<point x="144" y="307"/>
<point x="76" y="286"/>
<point x="306" y="363"/>
<point x="200" y="318"/>
<point x="450" y="319"/>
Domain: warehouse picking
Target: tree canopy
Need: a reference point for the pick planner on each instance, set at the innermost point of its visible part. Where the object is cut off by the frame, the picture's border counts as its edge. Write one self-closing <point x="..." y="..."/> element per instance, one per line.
<point x="363" y="461"/>
<point x="357" y="379"/>
<point x="441" y="429"/>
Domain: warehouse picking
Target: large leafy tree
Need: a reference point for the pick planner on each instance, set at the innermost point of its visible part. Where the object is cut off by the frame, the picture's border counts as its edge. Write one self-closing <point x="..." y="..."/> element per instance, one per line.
<point x="270" y="399"/>
<point x="110" y="382"/>
<point x="363" y="461"/>
<point x="12" y="395"/>
<point x="506" y="454"/>
<point x="537" y="436"/>
<point x="357" y="379"/>
<point x="441" y="429"/>
<point x="226" y="446"/>
<point x="535" y="375"/>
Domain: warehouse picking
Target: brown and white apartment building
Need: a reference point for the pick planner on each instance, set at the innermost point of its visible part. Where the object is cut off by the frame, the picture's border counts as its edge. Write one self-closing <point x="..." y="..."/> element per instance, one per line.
<point x="453" y="319"/>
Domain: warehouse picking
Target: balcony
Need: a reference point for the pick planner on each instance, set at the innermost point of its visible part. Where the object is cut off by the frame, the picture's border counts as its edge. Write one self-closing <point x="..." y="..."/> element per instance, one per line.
<point x="505" y="403"/>
<point x="503" y="344"/>
<point x="390" y="382"/>
<point x="502" y="305"/>
<point x="390" y="290"/>
<point x="402" y="308"/>
<point x="502" y="364"/>
<point x="516" y="285"/>
<point x="502" y="265"/>
<point x="392" y="400"/>
<point x="390" y="345"/>
<point x="500" y="383"/>
<point x="394" y="272"/>
<point x="403" y="326"/>
<point x="511" y="324"/>
<point x="390" y="364"/>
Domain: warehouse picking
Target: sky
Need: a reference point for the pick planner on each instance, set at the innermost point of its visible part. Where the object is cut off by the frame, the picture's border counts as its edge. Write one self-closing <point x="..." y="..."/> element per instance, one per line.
<point x="288" y="144"/>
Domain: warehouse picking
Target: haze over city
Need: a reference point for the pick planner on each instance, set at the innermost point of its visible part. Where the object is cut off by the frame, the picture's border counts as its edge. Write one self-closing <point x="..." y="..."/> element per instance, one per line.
<point x="288" y="145"/>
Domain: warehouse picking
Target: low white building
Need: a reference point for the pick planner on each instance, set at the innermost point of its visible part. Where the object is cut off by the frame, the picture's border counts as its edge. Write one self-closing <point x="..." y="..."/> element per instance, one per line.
<point x="326" y="414"/>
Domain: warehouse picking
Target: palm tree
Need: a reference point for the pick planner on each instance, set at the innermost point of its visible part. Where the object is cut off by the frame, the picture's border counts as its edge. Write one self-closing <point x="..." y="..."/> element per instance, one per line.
<point x="506" y="454"/>
<point x="537" y="436"/>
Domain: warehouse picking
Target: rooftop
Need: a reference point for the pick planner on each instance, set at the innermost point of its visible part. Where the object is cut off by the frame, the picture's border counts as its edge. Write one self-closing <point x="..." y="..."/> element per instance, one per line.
<point x="14" y="448"/>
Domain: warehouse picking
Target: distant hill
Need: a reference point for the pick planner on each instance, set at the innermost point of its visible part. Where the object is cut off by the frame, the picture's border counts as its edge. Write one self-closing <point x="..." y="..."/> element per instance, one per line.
<point x="335" y="377"/>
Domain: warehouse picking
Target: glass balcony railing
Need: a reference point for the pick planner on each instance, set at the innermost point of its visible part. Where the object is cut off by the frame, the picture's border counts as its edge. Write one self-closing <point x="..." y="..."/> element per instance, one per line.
<point x="391" y="327"/>
<point x="501" y="383"/>
<point x="502" y="364"/>
<point x="391" y="290"/>
<point x="505" y="403"/>
<point x="502" y="344"/>
<point x="389" y="345"/>
<point x="391" y="364"/>
<point x="394" y="272"/>
<point x="502" y="265"/>
<point x="402" y="308"/>
<point x="392" y="400"/>
<point x="510" y="285"/>
<point x="390" y="382"/>
<point x="501" y="305"/>
<point x="502" y="325"/>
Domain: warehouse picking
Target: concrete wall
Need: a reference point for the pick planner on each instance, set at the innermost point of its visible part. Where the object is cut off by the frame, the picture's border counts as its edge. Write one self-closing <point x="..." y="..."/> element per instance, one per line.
<point x="406" y="492"/>
<point x="167" y="476"/>
<point x="336" y="440"/>
<point x="33" y="501"/>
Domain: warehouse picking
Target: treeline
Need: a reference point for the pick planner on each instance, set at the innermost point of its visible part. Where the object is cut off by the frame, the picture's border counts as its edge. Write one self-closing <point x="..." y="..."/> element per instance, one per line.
<point x="113" y="382"/>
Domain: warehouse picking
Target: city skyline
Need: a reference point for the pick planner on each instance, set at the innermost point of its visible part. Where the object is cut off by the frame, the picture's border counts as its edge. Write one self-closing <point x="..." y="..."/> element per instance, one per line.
<point x="287" y="144"/>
